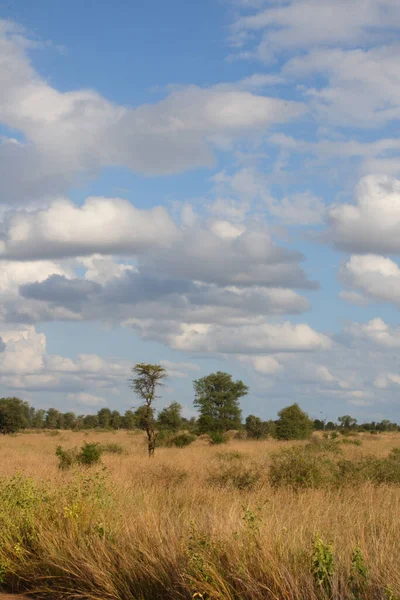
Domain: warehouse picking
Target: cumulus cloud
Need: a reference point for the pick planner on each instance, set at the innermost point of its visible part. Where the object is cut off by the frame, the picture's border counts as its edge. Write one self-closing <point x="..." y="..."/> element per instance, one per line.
<point x="249" y="339"/>
<point x="372" y="223"/>
<point x="71" y="134"/>
<point x="377" y="278"/>
<point x="377" y="331"/>
<point x="308" y="23"/>
<point x="85" y="399"/>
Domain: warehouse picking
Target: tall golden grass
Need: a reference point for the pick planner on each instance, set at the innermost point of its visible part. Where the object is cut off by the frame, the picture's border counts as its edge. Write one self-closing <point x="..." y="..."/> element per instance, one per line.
<point x="168" y="528"/>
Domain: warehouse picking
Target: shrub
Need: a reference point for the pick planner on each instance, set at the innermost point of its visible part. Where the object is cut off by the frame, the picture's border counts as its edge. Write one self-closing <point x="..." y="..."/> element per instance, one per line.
<point x="90" y="453"/>
<point x="217" y="437"/>
<point x="323" y="445"/>
<point x="354" y="442"/>
<point x="237" y="475"/>
<point x="182" y="440"/>
<point x="293" y="424"/>
<point x="323" y="565"/>
<point x="67" y="458"/>
<point x="301" y="467"/>
<point x="112" y="448"/>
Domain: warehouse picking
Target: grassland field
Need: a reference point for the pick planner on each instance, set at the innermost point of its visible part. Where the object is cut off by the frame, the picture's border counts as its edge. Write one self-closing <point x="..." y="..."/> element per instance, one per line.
<point x="199" y="522"/>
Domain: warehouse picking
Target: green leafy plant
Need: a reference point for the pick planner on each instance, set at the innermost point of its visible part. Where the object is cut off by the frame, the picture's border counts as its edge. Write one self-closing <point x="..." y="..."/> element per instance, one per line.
<point x="323" y="565"/>
<point x="358" y="574"/>
<point x="217" y="437"/>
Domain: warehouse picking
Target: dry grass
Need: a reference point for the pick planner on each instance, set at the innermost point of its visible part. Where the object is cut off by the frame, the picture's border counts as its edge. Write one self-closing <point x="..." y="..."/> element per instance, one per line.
<point x="168" y="528"/>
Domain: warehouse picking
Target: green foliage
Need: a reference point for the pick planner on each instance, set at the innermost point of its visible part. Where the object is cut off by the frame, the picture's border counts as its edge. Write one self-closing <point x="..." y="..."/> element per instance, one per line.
<point x="236" y="475"/>
<point x="293" y="424"/>
<point x="182" y="440"/>
<point x="324" y="444"/>
<point x="104" y="418"/>
<point x="112" y="448"/>
<point x="170" y="418"/>
<point x="14" y="414"/>
<point x="351" y="441"/>
<point x="323" y="565"/>
<point x="217" y="437"/>
<point x="358" y="574"/>
<point x="217" y="398"/>
<point x="88" y="455"/>
<point x="346" y="421"/>
<point x="302" y="467"/>
<point x="256" y="429"/>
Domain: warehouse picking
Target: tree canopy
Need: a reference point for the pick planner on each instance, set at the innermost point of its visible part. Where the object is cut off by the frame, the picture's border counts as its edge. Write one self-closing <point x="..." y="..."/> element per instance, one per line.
<point x="217" y="398"/>
<point x="293" y="424"/>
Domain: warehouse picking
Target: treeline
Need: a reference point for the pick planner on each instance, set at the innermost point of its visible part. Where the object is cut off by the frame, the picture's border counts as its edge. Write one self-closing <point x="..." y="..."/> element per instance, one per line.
<point x="16" y="415"/>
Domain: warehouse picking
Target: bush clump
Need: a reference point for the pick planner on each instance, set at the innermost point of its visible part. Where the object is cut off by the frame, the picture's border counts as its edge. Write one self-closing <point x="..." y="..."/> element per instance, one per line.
<point x="237" y="475"/>
<point x="302" y="467"/>
<point x="217" y="437"/>
<point x="112" y="448"/>
<point x="181" y="440"/>
<point x="88" y="455"/>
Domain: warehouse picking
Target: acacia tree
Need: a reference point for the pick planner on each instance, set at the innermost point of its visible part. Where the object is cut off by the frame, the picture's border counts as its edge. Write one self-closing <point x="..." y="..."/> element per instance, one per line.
<point x="217" y="398"/>
<point x="145" y="381"/>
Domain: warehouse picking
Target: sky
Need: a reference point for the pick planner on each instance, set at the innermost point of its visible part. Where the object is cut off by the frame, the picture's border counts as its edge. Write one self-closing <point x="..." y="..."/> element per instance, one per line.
<point x="208" y="186"/>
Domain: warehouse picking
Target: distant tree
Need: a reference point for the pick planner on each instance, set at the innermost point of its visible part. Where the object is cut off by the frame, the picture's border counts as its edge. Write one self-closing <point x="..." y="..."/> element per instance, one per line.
<point x="330" y="426"/>
<point x="347" y="422"/>
<point x="256" y="429"/>
<point x="69" y="420"/>
<point x="115" y="420"/>
<point x="170" y="417"/>
<point x="144" y="383"/>
<point x="104" y="417"/>
<point x="293" y="424"/>
<point x="52" y="419"/>
<point x="128" y="420"/>
<point x="38" y="420"/>
<point x="217" y="398"/>
<point x="13" y="415"/>
<point x="90" y="422"/>
<point x="319" y="425"/>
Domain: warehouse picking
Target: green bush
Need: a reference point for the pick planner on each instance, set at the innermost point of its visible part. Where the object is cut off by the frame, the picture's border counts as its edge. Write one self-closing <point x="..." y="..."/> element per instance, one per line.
<point x="112" y="448"/>
<point x="302" y="467"/>
<point x="217" y="437"/>
<point x="351" y="441"/>
<point x="182" y="440"/>
<point x="90" y="453"/>
<point x="67" y="458"/>
<point x="238" y="475"/>
<point x="324" y="444"/>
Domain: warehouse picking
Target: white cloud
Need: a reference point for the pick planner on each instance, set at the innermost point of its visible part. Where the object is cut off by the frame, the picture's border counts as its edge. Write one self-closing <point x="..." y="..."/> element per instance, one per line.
<point x="249" y="339"/>
<point x="376" y="277"/>
<point x="72" y="134"/>
<point x="372" y="224"/>
<point x="105" y="225"/>
<point x="85" y="399"/>
<point x="297" y="24"/>
<point x="377" y="331"/>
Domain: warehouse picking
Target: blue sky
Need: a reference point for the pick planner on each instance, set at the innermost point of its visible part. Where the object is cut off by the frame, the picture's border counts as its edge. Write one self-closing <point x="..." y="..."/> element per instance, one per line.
<point x="209" y="185"/>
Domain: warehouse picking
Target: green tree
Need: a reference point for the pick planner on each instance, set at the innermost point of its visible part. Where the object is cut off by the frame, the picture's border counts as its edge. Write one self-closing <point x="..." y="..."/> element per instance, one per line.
<point x="13" y="415"/>
<point x="254" y="427"/>
<point x="69" y="420"/>
<point x="38" y="420"/>
<point x="293" y="424"/>
<point x="217" y="398"/>
<point x="104" y="417"/>
<point x="347" y="422"/>
<point x="115" y="421"/>
<point x="52" y="419"/>
<point x="144" y="383"/>
<point x="170" y="417"/>
<point x="128" y="420"/>
<point x="90" y="421"/>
